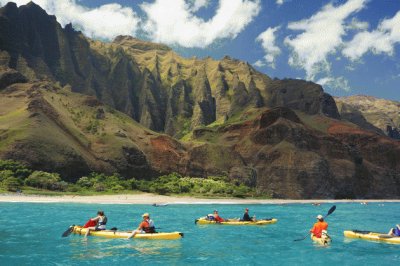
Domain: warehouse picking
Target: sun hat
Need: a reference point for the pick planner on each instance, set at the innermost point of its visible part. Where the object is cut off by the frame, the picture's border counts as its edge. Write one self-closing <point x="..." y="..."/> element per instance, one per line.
<point x="319" y="217"/>
<point x="146" y="215"/>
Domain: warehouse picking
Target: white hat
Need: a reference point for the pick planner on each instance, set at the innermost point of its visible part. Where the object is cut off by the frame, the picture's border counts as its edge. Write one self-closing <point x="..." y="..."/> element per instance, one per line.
<point x="320" y="217"/>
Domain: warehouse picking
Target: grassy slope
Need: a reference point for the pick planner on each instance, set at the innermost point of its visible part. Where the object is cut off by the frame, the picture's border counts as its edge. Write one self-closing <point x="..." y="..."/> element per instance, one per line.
<point x="67" y="124"/>
<point x="14" y="119"/>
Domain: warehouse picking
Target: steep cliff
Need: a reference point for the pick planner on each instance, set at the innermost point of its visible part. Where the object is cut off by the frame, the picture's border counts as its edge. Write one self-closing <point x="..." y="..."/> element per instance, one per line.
<point x="378" y="115"/>
<point x="73" y="105"/>
<point x="147" y="81"/>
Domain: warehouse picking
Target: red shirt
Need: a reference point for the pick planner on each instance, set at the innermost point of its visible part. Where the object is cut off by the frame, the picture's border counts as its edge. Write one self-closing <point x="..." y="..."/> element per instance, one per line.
<point x="318" y="227"/>
<point x="218" y="219"/>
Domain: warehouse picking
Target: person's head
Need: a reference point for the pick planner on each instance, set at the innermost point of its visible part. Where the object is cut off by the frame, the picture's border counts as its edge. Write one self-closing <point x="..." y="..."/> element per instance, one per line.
<point x="146" y="216"/>
<point x="246" y="210"/>
<point x="215" y="212"/>
<point x="320" y="217"/>
<point x="101" y="213"/>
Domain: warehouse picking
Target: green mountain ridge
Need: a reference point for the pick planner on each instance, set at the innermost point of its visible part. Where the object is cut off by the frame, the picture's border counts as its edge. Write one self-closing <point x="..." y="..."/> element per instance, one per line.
<point x="149" y="82"/>
<point x="73" y="105"/>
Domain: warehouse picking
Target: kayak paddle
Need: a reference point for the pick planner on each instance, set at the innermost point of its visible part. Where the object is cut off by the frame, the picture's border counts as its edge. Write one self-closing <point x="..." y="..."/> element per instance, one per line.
<point x="68" y="231"/>
<point x="331" y="210"/>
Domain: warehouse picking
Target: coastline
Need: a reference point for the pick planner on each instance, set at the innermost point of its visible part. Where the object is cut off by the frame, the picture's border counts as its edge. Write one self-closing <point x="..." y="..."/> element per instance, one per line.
<point x="148" y="198"/>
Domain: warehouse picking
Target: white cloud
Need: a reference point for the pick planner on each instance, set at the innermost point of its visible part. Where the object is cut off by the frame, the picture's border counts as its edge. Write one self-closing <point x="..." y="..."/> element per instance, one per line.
<point x="355" y="24"/>
<point x="322" y="35"/>
<point x="187" y="30"/>
<point x="259" y="63"/>
<point x="198" y="4"/>
<point x="336" y="83"/>
<point x="279" y="2"/>
<point x="106" y="21"/>
<point x="267" y="39"/>
<point x="379" y="41"/>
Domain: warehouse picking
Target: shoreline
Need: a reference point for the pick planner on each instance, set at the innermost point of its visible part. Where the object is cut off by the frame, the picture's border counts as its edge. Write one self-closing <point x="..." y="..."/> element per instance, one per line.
<point x="148" y="198"/>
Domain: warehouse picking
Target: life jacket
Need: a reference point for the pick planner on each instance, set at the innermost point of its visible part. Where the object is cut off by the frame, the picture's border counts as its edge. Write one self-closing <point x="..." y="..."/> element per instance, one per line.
<point x="219" y="219"/>
<point x="148" y="227"/>
<point x="101" y="225"/>
<point x="318" y="227"/>
<point x="103" y="220"/>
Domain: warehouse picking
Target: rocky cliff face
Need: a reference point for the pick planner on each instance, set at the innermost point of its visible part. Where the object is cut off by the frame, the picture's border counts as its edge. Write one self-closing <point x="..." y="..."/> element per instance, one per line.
<point x="378" y="115"/>
<point x="147" y="81"/>
<point x="59" y="91"/>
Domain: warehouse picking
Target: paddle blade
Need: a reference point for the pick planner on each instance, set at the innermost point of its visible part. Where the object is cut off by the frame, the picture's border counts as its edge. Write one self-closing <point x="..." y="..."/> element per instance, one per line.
<point x="301" y="239"/>
<point x="332" y="209"/>
<point x="68" y="231"/>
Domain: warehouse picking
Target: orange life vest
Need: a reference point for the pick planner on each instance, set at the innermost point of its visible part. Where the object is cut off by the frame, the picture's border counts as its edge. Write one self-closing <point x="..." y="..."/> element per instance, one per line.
<point x="318" y="227"/>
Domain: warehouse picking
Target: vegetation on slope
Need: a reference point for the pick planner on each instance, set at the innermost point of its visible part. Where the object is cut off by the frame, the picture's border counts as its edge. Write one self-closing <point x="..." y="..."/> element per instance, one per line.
<point x="15" y="177"/>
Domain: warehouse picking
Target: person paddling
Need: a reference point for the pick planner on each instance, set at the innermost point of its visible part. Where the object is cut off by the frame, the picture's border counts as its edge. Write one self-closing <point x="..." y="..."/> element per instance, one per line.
<point x="145" y="227"/>
<point x="246" y="216"/>
<point x="218" y="218"/>
<point x="101" y="221"/>
<point x="395" y="231"/>
<point x="319" y="226"/>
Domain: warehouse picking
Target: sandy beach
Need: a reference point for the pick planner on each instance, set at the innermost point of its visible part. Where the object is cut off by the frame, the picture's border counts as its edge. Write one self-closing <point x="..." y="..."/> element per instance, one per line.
<point x="147" y="198"/>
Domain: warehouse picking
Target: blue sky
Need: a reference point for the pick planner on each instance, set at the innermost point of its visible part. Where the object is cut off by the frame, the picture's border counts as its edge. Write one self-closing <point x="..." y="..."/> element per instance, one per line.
<point x="347" y="46"/>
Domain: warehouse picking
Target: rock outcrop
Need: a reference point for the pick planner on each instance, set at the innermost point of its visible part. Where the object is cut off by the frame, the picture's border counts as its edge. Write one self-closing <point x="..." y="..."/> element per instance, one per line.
<point x="374" y="114"/>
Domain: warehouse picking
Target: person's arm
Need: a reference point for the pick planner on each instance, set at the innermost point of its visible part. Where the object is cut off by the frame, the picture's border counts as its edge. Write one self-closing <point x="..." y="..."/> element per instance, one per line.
<point x="141" y="226"/>
<point x="95" y="219"/>
<point x="312" y="229"/>
<point x="134" y="232"/>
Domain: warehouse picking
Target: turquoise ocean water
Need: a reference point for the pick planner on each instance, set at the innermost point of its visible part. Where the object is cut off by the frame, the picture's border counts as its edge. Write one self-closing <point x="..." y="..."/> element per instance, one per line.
<point x="30" y="234"/>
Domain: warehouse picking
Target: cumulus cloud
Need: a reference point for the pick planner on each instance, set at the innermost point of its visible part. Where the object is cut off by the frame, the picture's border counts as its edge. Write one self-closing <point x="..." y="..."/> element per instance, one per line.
<point x="336" y="83"/>
<point x="267" y="39"/>
<point x="379" y="41"/>
<point x="280" y="2"/>
<point x="322" y="35"/>
<point x="187" y="30"/>
<point x="259" y="63"/>
<point x="106" y="21"/>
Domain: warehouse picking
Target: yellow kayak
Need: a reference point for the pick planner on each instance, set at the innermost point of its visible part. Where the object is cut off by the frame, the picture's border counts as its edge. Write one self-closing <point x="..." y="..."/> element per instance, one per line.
<point x="321" y="241"/>
<point x="236" y="222"/>
<point x="124" y="234"/>
<point x="372" y="236"/>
